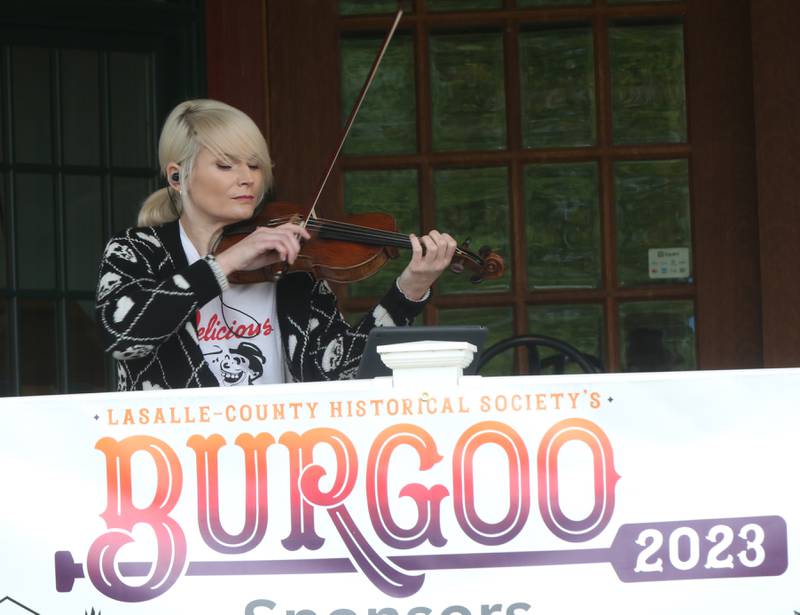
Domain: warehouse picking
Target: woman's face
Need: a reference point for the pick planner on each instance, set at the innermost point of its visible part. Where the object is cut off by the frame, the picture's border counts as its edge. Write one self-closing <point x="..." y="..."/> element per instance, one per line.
<point x="222" y="192"/>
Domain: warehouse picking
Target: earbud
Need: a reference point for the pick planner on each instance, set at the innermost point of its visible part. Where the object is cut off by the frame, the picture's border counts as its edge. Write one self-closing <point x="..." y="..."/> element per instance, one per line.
<point x="175" y="177"/>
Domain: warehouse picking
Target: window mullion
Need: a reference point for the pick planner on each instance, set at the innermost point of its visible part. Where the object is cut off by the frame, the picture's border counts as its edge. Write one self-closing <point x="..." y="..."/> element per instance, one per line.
<point x="606" y="183"/>
<point x="11" y="223"/>
<point x="62" y="366"/>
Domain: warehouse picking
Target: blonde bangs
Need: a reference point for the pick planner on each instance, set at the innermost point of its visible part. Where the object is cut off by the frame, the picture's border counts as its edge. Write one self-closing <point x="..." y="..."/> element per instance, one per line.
<point x="230" y="136"/>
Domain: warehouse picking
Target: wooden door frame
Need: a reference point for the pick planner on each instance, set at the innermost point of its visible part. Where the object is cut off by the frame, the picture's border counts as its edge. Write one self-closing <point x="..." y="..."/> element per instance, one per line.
<point x="723" y="184"/>
<point x="776" y="87"/>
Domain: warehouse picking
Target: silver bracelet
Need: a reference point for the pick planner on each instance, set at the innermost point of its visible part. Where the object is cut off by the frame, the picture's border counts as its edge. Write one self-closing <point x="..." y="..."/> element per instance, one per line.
<point x="222" y="279"/>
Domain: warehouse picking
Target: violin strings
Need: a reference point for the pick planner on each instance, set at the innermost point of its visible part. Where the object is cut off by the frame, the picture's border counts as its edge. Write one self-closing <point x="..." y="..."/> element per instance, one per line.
<point x="351" y="232"/>
<point x="345" y="231"/>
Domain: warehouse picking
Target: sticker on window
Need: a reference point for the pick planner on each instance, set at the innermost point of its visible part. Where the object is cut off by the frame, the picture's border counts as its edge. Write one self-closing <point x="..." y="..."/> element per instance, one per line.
<point x="668" y="263"/>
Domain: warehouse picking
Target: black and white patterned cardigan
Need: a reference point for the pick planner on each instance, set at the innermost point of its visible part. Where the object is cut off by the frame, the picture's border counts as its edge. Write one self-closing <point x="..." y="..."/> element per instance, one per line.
<point x="148" y="295"/>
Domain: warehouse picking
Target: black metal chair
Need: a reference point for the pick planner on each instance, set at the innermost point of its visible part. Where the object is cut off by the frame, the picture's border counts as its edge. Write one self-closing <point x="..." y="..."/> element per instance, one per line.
<point x="555" y="363"/>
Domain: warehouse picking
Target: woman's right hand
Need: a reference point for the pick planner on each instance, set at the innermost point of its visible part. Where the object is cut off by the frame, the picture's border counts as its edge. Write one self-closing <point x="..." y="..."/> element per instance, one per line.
<point x="263" y="247"/>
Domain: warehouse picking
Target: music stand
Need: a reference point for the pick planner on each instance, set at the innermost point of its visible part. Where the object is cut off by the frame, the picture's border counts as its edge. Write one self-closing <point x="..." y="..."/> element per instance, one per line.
<point x="371" y="365"/>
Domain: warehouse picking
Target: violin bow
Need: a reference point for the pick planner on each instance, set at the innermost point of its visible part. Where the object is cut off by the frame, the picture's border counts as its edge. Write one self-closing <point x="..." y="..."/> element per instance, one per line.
<point x="353" y="113"/>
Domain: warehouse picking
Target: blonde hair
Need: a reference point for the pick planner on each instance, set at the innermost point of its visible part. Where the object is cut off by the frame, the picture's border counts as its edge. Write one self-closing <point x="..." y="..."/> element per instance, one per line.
<point x="224" y="130"/>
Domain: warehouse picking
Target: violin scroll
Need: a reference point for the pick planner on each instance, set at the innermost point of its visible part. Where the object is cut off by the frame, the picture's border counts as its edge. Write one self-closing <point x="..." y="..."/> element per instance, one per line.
<point x="485" y="264"/>
<point x="493" y="265"/>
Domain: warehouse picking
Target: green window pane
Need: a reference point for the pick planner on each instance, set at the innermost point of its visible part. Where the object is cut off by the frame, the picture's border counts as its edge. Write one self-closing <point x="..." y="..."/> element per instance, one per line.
<point x="652" y="217"/>
<point x="468" y="91"/>
<point x="386" y="123"/>
<point x="365" y="7"/>
<point x="5" y="351"/>
<point x="527" y="3"/>
<point x="83" y="220"/>
<point x="473" y="204"/>
<point x="38" y="365"/>
<point x="647" y="84"/>
<point x="2" y="123"/>
<point x="562" y="225"/>
<point x="636" y="1"/>
<point x="580" y="325"/>
<point x="463" y="5"/>
<point x="557" y="87"/>
<point x="31" y="96"/>
<point x="85" y="364"/>
<point x="36" y="231"/>
<point x="499" y="321"/>
<point x="131" y="102"/>
<point x="127" y="196"/>
<point x="394" y="192"/>
<point x="4" y="233"/>
<point x="657" y="336"/>
<point x="80" y="107"/>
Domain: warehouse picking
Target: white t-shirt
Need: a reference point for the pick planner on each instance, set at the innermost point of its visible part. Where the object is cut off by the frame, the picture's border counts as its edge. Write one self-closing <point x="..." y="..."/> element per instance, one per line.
<point x="238" y="331"/>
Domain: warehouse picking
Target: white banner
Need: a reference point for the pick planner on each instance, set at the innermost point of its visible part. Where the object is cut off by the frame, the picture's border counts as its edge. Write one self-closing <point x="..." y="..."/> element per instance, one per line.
<point x="567" y="495"/>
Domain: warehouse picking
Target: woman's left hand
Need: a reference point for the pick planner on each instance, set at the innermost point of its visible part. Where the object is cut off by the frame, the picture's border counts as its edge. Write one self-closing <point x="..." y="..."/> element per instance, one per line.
<point x="430" y="256"/>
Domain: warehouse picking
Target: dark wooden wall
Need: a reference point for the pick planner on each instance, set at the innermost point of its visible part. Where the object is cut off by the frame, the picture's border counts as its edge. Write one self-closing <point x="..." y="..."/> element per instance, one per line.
<point x="236" y="56"/>
<point x="723" y="182"/>
<point x="776" y="87"/>
<point x="295" y="44"/>
<point x="303" y="59"/>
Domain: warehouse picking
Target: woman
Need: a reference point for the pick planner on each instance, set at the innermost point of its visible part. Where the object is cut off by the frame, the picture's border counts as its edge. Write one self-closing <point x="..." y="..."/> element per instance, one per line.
<point x="167" y="311"/>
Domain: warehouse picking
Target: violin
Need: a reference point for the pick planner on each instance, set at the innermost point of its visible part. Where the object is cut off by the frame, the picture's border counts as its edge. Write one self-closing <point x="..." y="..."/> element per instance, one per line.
<point x="351" y="249"/>
<point x="346" y="251"/>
